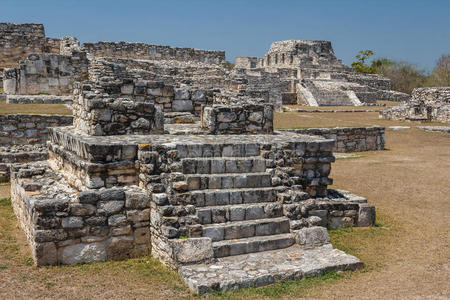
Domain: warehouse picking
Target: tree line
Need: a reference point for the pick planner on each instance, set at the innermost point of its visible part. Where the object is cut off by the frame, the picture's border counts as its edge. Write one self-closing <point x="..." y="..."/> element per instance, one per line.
<point x="404" y="76"/>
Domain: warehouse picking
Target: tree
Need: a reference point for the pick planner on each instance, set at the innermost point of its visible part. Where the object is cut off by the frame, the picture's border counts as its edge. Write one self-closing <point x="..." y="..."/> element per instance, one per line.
<point x="360" y="65"/>
<point x="441" y="72"/>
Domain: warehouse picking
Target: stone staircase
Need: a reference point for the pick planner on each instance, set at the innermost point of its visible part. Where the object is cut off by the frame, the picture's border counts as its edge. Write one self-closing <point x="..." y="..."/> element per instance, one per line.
<point x="236" y="204"/>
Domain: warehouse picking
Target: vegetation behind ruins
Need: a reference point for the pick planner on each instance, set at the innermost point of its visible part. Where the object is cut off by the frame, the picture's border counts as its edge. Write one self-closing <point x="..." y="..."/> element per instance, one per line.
<point x="405" y="76"/>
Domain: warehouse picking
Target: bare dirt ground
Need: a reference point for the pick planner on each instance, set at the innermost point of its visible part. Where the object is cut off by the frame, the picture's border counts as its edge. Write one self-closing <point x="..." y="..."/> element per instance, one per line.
<point x="407" y="255"/>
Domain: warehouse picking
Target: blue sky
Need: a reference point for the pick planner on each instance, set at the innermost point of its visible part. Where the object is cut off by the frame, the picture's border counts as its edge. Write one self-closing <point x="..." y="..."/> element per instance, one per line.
<point x="411" y="30"/>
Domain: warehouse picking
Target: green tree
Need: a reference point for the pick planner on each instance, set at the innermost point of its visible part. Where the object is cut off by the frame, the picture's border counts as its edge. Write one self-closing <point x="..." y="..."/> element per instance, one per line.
<point x="360" y="65"/>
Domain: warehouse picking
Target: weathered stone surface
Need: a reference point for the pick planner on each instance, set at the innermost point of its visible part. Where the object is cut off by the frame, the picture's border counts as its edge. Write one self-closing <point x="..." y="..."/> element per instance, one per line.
<point x="192" y="250"/>
<point x="263" y="268"/>
<point x="366" y="215"/>
<point x="83" y="253"/>
<point x="312" y="237"/>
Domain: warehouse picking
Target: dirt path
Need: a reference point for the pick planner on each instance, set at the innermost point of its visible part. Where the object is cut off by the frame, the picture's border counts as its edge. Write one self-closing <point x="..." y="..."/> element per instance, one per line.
<point x="410" y="187"/>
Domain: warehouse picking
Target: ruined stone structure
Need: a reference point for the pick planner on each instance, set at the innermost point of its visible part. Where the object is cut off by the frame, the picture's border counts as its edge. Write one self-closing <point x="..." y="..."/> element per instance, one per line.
<point x="427" y="104"/>
<point x="172" y="155"/>
<point x="315" y="77"/>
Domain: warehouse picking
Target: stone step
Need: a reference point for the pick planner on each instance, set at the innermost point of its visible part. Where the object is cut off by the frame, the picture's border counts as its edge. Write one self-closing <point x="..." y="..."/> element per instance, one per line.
<point x="214" y="165"/>
<point x="253" y="244"/>
<point x="264" y="268"/>
<point x="228" y="181"/>
<point x="239" y="212"/>
<point x="214" y="197"/>
<point x="245" y="229"/>
<point x="243" y="148"/>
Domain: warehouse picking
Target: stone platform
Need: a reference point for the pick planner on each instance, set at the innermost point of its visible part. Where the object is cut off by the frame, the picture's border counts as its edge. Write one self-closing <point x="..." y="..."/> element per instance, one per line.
<point x="263" y="268"/>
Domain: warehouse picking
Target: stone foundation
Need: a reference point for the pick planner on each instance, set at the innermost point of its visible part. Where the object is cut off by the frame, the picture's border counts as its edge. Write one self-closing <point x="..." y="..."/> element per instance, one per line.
<point x="351" y="139"/>
<point x="64" y="226"/>
<point x="38" y="99"/>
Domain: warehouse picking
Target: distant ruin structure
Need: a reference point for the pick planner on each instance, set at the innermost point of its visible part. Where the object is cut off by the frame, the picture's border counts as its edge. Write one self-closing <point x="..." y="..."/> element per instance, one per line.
<point x="427" y="104"/>
<point x="312" y="75"/>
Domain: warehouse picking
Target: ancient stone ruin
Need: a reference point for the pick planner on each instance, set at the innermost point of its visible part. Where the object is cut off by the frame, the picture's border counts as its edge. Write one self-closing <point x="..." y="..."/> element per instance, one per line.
<point x="172" y="155"/>
<point x="310" y="74"/>
<point x="427" y="104"/>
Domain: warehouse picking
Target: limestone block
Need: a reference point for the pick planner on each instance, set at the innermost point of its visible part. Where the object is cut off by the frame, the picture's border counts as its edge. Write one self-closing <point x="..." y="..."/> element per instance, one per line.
<point x="119" y="247"/>
<point x="366" y="216"/>
<point x="45" y="254"/>
<point x="182" y="94"/>
<point x="192" y="250"/>
<point x="182" y="105"/>
<point x="83" y="253"/>
<point x="312" y="237"/>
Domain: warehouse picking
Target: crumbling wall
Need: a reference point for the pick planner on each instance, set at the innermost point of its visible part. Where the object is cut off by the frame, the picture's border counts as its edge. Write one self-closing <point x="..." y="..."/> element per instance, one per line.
<point x="153" y="52"/>
<point x="17" y="41"/>
<point x="46" y="73"/>
<point x="22" y="129"/>
<point x="427" y="104"/>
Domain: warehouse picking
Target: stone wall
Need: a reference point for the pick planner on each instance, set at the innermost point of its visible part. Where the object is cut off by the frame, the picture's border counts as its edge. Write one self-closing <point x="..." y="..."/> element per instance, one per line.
<point x="66" y="227"/>
<point x="38" y="99"/>
<point x="17" y="41"/>
<point x="246" y="118"/>
<point x="351" y="139"/>
<point x="20" y="129"/>
<point x="153" y="52"/>
<point x="120" y="107"/>
<point x="431" y="95"/>
<point x="46" y="73"/>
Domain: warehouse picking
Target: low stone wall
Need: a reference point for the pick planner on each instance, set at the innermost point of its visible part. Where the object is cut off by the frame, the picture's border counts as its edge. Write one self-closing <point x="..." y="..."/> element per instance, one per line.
<point x="431" y="95"/>
<point x="20" y="129"/>
<point x="17" y="154"/>
<point x="153" y="52"/>
<point x="46" y="73"/>
<point x="247" y="118"/>
<point x="66" y="227"/>
<point x="351" y="139"/>
<point x="38" y="99"/>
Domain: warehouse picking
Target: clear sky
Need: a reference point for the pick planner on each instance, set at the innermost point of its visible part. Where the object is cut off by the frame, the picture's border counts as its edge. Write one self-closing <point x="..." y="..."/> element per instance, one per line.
<point x="411" y="30"/>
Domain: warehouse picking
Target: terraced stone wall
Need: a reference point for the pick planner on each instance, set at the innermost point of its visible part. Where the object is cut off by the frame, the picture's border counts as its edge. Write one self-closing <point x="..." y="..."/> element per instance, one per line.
<point x="53" y="74"/>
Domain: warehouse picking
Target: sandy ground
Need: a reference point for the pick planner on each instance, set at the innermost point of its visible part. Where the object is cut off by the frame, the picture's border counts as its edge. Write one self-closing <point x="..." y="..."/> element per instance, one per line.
<point x="407" y="256"/>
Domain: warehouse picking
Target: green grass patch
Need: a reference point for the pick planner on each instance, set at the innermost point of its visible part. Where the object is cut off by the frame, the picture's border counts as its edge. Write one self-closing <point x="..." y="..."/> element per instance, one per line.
<point x="296" y="288"/>
<point x="2" y="267"/>
<point x="5" y="201"/>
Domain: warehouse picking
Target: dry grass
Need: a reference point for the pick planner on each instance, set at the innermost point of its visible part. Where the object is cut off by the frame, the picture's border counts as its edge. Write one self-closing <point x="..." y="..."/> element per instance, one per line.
<point x="307" y="120"/>
<point x="407" y="256"/>
<point x="35" y="109"/>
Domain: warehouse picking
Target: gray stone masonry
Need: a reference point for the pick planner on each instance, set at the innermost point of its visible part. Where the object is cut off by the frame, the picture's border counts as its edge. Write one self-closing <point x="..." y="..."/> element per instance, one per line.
<point x="38" y="99"/>
<point x="21" y="129"/>
<point x="247" y="118"/>
<point x="64" y="226"/>
<point x="19" y="154"/>
<point x="351" y="139"/>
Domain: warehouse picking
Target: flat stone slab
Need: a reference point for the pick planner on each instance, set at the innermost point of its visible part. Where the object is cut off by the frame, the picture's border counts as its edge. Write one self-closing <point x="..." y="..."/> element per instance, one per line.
<point x="264" y="268"/>
<point x="398" y="127"/>
<point x="435" y="128"/>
